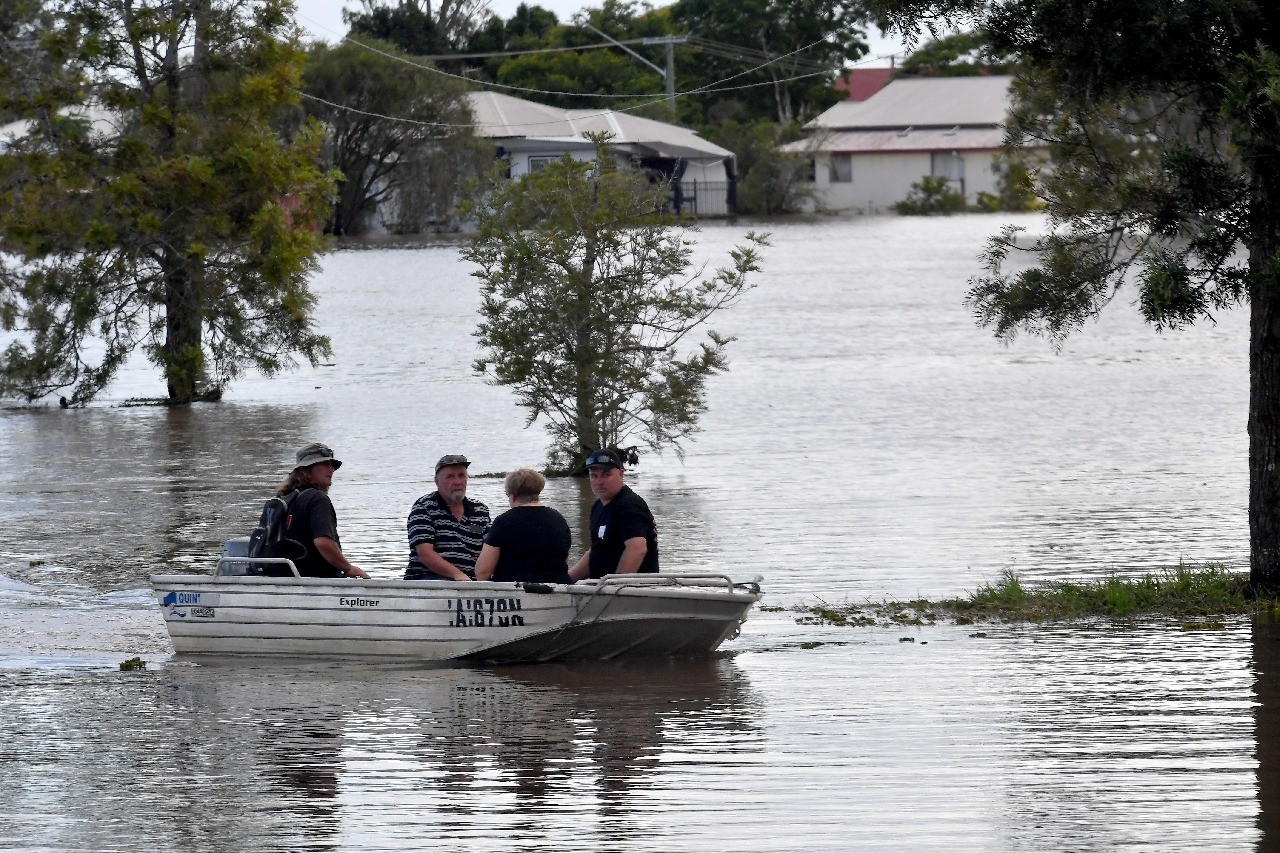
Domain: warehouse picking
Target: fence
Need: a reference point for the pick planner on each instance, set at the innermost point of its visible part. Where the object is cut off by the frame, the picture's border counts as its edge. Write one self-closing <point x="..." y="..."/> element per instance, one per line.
<point x="703" y="199"/>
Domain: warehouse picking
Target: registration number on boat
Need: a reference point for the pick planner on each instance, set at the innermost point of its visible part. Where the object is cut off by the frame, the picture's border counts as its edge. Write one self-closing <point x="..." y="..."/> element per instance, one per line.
<point x="485" y="612"/>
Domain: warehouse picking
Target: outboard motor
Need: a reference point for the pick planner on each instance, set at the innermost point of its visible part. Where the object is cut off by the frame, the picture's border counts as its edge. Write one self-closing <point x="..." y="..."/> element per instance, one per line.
<point x="238" y="547"/>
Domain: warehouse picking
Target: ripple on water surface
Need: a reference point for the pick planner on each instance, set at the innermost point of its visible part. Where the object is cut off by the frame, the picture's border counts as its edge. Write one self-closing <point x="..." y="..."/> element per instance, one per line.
<point x="867" y="441"/>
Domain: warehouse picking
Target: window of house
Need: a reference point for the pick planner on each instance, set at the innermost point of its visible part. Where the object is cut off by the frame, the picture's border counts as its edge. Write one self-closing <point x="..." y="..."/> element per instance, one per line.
<point x="840" y="168"/>
<point x="949" y="165"/>
<point x="537" y="164"/>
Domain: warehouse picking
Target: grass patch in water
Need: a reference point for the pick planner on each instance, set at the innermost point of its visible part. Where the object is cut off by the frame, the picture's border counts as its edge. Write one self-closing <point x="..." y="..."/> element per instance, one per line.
<point x="1188" y="593"/>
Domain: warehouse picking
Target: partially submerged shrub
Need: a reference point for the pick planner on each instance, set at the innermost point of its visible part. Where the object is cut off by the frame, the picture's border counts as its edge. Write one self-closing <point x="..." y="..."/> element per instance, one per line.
<point x="931" y="195"/>
<point x="1188" y="593"/>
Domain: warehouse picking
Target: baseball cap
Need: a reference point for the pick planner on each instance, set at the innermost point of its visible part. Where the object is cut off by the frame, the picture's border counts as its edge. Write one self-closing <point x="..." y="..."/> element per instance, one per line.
<point x="452" y="459"/>
<point x="603" y="459"/>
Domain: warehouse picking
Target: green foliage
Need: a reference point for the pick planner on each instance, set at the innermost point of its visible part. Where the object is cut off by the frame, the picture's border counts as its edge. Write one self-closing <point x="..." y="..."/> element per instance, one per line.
<point x="151" y="203"/>
<point x="414" y="162"/>
<point x="590" y="313"/>
<point x="1181" y="592"/>
<point x="797" y="49"/>
<point x="1015" y="184"/>
<point x="957" y="55"/>
<point x="28" y="73"/>
<point x="1128" y="191"/>
<point x="597" y="78"/>
<point x="417" y="27"/>
<point x="770" y="181"/>
<point x="929" y="196"/>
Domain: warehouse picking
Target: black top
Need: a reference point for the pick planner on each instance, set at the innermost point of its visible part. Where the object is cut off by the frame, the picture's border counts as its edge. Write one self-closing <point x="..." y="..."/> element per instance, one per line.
<point x="311" y="514"/>
<point x="625" y="517"/>
<point x="534" y="543"/>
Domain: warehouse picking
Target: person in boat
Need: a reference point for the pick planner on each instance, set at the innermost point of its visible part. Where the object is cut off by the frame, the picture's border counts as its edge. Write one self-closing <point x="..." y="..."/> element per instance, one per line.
<point x="446" y="528"/>
<point x="529" y="542"/>
<point x="312" y="520"/>
<point x="624" y="537"/>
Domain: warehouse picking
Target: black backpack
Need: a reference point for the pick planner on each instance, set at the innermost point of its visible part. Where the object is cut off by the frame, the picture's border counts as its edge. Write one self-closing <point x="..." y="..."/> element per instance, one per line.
<point x="268" y="538"/>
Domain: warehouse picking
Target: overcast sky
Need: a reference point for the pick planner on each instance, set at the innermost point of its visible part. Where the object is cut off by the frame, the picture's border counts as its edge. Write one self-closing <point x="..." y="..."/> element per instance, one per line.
<point x="323" y="18"/>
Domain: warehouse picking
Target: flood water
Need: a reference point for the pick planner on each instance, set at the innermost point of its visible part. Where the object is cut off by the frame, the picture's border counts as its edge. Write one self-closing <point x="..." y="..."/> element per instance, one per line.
<point x="868" y="441"/>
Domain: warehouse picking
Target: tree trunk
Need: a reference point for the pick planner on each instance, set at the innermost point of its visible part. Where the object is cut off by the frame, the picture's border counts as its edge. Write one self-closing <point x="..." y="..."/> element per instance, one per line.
<point x="181" y="354"/>
<point x="1266" y="719"/>
<point x="1264" y="367"/>
<point x="587" y="424"/>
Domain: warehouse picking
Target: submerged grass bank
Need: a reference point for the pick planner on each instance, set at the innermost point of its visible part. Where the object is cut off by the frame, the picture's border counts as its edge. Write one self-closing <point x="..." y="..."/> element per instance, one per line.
<point x="1193" y="594"/>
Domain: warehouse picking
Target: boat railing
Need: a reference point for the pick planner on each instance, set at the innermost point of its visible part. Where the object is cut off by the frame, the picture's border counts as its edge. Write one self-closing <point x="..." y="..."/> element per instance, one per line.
<point x="255" y="567"/>
<point x="636" y="579"/>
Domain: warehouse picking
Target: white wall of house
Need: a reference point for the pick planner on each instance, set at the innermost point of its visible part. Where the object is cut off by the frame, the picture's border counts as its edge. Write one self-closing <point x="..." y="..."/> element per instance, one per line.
<point x="696" y="171"/>
<point x="873" y="183"/>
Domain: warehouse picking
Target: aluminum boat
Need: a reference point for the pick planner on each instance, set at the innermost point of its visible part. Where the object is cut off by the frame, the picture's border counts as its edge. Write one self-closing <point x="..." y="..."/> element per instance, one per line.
<point x="239" y="609"/>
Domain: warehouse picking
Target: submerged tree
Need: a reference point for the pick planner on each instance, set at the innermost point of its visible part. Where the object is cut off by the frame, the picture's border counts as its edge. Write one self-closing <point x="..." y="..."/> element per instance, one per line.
<point x="592" y="311"/>
<point x="152" y="203"/>
<point x="1163" y="121"/>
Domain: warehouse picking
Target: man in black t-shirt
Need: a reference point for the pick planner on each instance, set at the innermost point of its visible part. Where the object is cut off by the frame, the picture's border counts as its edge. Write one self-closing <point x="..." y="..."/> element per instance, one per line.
<point x="624" y="537"/>
<point x="312" y="520"/>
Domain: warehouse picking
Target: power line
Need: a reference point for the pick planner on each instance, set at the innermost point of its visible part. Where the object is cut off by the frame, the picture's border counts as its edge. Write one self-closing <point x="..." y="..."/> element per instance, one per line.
<point x="654" y="99"/>
<point x="710" y="87"/>
<point x="466" y="79"/>
<point x="531" y="51"/>
<point x="761" y="57"/>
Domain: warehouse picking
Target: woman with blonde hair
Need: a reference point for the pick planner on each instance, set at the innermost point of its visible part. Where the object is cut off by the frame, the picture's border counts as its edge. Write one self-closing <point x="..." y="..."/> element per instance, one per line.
<point x="529" y="542"/>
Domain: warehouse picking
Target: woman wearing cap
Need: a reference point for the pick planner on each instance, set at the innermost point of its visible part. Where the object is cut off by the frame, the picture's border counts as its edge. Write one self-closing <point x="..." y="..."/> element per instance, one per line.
<point x="529" y="542"/>
<point x="312" y="519"/>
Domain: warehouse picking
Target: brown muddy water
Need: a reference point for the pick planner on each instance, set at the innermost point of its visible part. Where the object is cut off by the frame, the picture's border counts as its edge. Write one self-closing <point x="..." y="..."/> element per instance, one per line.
<point x="868" y="441"/>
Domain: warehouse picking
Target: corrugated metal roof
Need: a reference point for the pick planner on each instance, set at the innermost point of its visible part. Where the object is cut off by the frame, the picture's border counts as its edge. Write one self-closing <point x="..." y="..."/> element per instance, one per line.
<point x="924" y="101"/>
<point x="886" y="141"/>
<point x="669" y="140"/>
<point x="500" y="116"/>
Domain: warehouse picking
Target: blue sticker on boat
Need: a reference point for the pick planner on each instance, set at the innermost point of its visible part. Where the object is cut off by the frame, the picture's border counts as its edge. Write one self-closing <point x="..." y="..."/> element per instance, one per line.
<point x="190" y="598"/>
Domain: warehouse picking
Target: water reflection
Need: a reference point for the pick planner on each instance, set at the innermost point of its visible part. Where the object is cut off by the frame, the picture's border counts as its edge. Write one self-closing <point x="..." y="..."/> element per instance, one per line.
<point x="868" y="441"/>
<point x="1266" y="714"/>
<point x="1120" y="730"/>
<point x="105" y="496"/>
<point x="479" y="754"/>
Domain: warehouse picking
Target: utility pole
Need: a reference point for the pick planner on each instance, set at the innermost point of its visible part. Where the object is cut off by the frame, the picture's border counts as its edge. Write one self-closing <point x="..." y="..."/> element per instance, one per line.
<point x="668" y="74"/>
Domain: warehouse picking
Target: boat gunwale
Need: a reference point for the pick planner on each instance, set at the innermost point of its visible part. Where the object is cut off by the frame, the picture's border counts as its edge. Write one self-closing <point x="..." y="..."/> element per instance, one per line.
<point x="669" y="586"/>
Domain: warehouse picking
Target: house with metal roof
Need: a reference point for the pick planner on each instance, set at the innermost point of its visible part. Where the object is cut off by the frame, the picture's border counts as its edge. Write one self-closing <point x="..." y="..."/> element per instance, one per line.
<point x="530" y="135"/>
<point x="867" y="154"/>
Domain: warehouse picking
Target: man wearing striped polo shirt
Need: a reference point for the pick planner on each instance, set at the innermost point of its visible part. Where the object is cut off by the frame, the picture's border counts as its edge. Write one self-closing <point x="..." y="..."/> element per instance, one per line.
<point x="446" y="528"/>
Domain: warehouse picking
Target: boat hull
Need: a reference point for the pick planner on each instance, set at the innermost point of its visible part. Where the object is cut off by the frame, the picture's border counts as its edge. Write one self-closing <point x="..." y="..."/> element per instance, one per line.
<point x="619" y="617"/>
